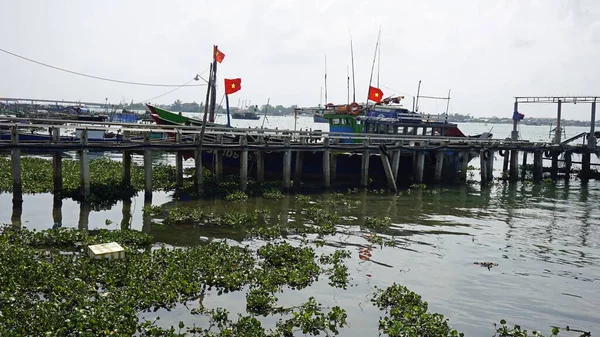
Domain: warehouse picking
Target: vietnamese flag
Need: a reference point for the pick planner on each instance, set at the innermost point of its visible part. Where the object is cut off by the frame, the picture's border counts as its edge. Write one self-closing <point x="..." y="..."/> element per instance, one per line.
<point x="218" y="55"/>
<point x="375" y="94"/>
<point x="232" y="85"/>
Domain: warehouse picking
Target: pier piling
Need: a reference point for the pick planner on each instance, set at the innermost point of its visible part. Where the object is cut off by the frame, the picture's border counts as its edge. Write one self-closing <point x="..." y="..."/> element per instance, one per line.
<point x="198" y="166"/>
<point x="84" y="166"/>
<point x="287" y="165"/>
<point x="387" y="167"/>
<point x="16" y="167"/>
<point x="147" y="169"/>
<point x="420" y="155"/>
<point x="524" y="166"/>
<point x="178" y="162"/>
<point x="326" y="164"/>
<point x="244" y="164"/>
<point x="57" y="166"/>
<point x="538" y="167"/>
<point x="364" y="167"/>
<point x="126" y="160"/>
<point x="483" y="163"/>
<point x="439" y="165"/>
<point x="396" y="161"/>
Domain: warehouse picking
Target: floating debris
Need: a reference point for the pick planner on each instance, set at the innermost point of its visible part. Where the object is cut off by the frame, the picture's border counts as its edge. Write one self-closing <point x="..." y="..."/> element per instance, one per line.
<point x="488" y="265"/>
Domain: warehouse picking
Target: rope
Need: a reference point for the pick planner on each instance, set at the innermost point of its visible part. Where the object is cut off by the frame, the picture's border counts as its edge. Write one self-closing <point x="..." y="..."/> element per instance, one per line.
<point x="98" y="77"/>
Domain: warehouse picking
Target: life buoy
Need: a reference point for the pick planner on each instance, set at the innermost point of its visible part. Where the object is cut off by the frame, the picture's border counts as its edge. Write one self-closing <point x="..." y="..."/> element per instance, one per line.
<point x="354" y="108"/>
<point x="486" y="154"/>
<point x="502" y="152"/>
<point x="548" y="154"/>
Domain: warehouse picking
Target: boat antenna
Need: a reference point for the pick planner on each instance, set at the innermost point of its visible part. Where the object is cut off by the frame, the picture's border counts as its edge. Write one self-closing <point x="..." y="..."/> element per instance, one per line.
<point x="373" y="65"/>
<point x="348" y="76"/>
<point x="325" y="78"/>
<point x="353" y="79"/>
<point x="417" y="103"/>
<point x="378" y="61"/>
<point x="264" y="118"/>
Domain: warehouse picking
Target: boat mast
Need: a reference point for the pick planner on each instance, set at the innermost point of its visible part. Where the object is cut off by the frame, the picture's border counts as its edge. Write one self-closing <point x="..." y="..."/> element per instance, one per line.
<point x="447" y="105"/>
<point x="417" y="103"/>
<point x="325" y="78"/>
<point x="378" y="63"/>
<point x="265" y="117"/>
<point x="353" y="79"/>
<point x="213" y="94"/>
<point x="373" y="65"/>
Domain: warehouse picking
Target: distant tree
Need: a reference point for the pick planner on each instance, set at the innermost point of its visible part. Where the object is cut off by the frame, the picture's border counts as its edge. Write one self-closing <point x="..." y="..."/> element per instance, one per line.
<point x="176" y="106"/>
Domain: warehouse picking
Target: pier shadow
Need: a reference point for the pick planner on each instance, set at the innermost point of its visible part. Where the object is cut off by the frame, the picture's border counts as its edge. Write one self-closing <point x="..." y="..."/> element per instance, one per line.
<point x="57" y="213"/>
<point x="84" y="215"/>
<point x="17" y="212"/>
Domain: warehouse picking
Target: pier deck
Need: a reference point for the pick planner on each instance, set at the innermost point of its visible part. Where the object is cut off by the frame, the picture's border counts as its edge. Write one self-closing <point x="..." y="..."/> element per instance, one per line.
<point x="304" y="155"/>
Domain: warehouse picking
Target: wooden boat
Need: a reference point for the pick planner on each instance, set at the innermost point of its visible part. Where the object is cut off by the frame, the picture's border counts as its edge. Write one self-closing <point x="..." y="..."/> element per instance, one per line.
<point x="245" y="115"/>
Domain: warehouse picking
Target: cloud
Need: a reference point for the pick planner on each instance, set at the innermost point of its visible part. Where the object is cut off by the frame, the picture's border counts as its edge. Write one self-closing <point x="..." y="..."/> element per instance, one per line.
<point x="486" y="52"/>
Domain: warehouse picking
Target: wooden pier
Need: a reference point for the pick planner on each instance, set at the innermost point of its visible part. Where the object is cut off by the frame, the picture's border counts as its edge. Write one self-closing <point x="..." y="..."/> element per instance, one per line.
<point x="379" y="157"/>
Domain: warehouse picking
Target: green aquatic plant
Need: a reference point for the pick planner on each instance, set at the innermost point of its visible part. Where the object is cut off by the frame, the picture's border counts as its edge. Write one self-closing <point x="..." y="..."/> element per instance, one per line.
<point x="407" y="314"/>
<point x="236" y="196"/>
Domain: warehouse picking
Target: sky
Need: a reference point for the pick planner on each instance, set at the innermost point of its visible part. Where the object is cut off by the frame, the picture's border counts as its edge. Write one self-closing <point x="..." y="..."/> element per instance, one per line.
<point x="485" y="52"/>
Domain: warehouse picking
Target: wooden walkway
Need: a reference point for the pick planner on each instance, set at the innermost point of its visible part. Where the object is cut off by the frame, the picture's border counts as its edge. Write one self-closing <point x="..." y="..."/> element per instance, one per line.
<point x="442" y="152"/>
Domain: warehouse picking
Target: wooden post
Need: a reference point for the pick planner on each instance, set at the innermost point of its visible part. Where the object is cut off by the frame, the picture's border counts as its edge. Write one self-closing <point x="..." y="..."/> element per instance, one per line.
<point x="554" y="169"/>
<point x="244" y="164"/>
<point x="199" y="168"/>
<point x="524" y="165"/>
<point x="84" y="215"/>
<point x="178" y="162"/>
<point x="483" y="162"/>
<point x="147" y="169"/>
<point x="538" y="166"/>
<point x="333" y="158"/>
<point x="420" y="166"/>
<point x="57" y="166"/>
<point x="287" y="164"/>
<point x="219" y="160"/>
<point x="57" y="213"/>
<point x="568" y="164"/>
<point x="490" y="166"/>
<point x="591" y="145"/>
<point x="364" y="178"/>
<point x="464" y="165"/>
<point x="126" y="160"/>
<point x="84" y="166"/>
<point x="506" y="161"/>
<point x="298" y="168"/>
<point x="16" y="167"/>
<point x="557" y="132"/>
<point x="514" y="165"/>
<point x="439" y="165"/>
<point x="326" y="163"/>
<point x="396" y="161"/>
<point x="387" y="167"/>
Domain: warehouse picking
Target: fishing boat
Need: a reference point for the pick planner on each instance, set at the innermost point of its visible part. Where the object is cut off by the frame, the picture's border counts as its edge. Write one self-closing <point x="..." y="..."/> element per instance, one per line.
<point x="253" y="115"/>
<point x="351" y="118"/>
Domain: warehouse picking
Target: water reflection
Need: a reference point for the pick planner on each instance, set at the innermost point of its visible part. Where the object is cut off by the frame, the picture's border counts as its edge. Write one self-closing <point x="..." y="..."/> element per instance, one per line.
<point x="84" y="215"/>
<point x="57" y="213"/>
<point x="545" y="239"/>
<point x="17" y="212"/>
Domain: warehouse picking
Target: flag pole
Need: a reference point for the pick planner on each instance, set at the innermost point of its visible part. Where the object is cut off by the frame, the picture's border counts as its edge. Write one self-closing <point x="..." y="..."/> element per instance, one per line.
<point x="373" y="65"/>
<point x="227" y="106"/>
<point x="353" y="79"/>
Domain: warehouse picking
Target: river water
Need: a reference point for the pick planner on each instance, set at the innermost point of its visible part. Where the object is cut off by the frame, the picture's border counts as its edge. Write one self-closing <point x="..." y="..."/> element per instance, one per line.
<point x="544" y="237"/>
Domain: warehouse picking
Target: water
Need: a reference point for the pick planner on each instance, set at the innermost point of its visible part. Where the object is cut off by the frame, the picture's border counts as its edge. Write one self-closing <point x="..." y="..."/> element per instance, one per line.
<point x="544" y="237"/>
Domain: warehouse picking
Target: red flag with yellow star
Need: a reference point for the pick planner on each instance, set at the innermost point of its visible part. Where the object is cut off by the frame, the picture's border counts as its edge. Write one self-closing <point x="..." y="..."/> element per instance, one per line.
<point x="232" y="85"/>
<point x="219" y="56"/>
<point x="375" y="94"/>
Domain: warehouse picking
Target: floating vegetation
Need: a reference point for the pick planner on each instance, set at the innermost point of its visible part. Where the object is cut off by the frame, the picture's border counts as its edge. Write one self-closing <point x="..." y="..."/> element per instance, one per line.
<point x="236" y="196"/>
<point x="406" y="314"/>
<point x="273" y="194"/>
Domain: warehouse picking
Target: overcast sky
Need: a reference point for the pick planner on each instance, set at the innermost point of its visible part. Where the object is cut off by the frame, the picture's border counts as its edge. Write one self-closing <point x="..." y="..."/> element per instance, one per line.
<point x="487" y="52"/>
